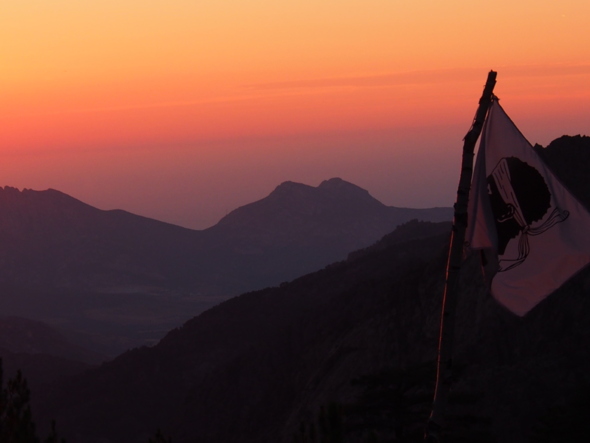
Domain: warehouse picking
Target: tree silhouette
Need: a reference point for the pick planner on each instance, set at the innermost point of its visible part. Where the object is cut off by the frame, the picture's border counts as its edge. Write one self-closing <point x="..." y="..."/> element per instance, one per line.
<point x="16" y="420"/>
<point x="53" y="437"/>
<point x="330" y="424"/>
<point x="159" y="438"/>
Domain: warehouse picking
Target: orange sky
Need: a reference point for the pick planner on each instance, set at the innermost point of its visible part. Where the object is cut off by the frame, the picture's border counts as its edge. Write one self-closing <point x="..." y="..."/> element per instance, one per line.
<point x="184" y="110"/>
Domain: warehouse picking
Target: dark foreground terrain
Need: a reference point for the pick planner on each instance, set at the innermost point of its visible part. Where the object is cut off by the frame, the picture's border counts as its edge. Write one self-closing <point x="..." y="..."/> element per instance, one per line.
<point x="347" y="354"/>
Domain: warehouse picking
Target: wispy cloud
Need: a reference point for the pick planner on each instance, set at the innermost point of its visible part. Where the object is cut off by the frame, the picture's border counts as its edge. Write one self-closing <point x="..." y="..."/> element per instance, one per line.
<point x="319" y="85"/>
<point x="421" y="77"/>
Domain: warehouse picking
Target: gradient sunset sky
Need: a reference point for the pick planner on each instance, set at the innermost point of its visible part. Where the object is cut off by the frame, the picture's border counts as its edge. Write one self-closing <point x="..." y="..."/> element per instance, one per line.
<point x="183" y="110"/>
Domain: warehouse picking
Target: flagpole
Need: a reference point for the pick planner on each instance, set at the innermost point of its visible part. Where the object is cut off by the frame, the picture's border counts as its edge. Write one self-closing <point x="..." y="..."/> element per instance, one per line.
<point x="444" y="364"/>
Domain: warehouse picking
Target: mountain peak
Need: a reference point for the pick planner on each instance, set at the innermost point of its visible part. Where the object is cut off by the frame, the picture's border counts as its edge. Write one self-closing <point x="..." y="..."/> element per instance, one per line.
<point x="338" y="186"/>
<point x="334" y="205"/>
<point x="297" y="198"/>
<point x="290" y="186"/>
<point x="332" y="187"/>
<point x="335" y="182"/>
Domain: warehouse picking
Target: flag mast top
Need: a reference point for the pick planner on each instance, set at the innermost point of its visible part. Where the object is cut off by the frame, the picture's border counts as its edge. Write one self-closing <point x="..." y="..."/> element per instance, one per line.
<point x="447" y="320"/>
<point x="484" y="103"/>
<point x="468" y="153"/>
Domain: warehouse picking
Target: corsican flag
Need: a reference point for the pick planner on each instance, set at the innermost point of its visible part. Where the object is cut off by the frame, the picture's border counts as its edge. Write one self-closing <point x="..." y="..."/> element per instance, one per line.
<point x="535" y="234"/>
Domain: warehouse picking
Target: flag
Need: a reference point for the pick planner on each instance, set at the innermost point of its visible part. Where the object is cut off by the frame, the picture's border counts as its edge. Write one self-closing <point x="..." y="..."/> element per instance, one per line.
<point x="534" y="233"/>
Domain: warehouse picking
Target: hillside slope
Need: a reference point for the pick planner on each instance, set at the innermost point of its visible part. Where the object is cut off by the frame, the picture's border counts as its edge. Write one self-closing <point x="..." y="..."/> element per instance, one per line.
<point x="237" y="372"/>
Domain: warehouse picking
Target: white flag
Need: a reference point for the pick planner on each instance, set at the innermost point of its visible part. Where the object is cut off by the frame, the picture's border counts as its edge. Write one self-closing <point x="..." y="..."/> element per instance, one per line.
<point x="538" y="232"/>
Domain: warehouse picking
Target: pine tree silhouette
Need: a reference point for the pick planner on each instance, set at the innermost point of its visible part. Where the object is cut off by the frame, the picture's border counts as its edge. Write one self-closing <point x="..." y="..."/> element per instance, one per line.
<point x="159" y="438"/>
<point x="16" y="420"/>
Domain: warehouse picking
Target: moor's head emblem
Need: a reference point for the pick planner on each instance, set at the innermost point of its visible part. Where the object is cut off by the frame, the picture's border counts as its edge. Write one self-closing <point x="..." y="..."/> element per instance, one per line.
<point x="520" y="201"/>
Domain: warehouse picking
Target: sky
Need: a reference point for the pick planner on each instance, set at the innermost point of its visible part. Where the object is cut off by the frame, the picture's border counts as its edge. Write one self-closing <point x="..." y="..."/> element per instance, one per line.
<point x="184" y="110"/>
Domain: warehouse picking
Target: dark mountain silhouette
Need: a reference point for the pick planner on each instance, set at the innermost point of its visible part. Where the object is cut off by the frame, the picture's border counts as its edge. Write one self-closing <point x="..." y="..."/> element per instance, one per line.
<point x="89" y="270"/>
<point x="113" y="280"/>
<point x="354" y="342"/>
<point x="298" y="229"/>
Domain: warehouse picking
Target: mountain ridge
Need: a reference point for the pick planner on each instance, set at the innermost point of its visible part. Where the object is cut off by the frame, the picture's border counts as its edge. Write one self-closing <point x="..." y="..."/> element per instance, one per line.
<point x="91" y="271"/>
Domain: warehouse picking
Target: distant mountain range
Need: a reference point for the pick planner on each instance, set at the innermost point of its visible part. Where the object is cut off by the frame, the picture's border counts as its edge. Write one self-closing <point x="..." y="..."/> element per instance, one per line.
<point x="120" y="280"/>
<point x="361" y="335"/>
<point x="349" y="351"/>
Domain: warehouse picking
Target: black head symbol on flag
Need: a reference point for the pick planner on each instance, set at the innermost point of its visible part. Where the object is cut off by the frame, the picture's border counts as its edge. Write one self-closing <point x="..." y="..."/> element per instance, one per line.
<point x="519" y="198"/>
